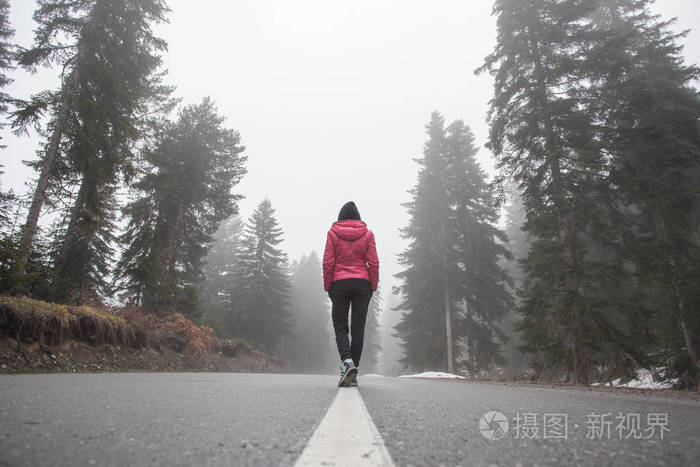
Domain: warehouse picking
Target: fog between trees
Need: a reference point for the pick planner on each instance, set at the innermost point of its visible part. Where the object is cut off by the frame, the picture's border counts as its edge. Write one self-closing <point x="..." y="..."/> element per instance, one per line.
<point x="594" y="125"/>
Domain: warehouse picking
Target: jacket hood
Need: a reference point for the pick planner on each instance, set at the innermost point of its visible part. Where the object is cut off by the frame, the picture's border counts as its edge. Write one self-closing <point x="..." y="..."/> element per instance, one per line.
<point x="350" y="229"/>
<point x="349" y="211"/>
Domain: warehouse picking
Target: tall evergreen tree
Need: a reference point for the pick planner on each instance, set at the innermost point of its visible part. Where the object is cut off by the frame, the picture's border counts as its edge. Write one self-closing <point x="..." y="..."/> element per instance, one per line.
<point x="110" y="60"/>
<point x="6" y="65"/>
<point x="311" y="348"/>
<point x="482" y="284"/>
<point x="649" y="114"/>
<point x="6" y="54"/>
<point x="220" y="266"/>
<point x="425" y="328"/>
<point x="579" y="307"/>
<point x="19" y="272"/>
<point x="184" y="195"/>
<point x="260" y="291"/>
<point x="453" y="289"/>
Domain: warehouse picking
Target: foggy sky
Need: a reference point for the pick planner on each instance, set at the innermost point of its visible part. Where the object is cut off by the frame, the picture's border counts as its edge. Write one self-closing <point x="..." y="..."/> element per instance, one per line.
<point x="330" y="98"/>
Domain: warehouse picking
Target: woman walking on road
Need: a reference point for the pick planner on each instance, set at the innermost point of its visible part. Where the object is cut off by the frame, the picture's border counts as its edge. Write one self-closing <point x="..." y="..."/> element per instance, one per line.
<point x="350" y="276"/>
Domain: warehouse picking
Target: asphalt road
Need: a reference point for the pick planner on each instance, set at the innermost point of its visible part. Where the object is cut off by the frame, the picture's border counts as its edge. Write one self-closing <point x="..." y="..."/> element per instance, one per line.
<point x="250" y="419"/>
<point x="427" y="422"/>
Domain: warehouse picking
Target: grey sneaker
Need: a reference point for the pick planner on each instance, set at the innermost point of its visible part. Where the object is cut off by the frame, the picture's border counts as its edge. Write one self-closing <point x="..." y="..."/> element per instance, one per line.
<point x="347" y="372"/>
<point x="353" y="383"/>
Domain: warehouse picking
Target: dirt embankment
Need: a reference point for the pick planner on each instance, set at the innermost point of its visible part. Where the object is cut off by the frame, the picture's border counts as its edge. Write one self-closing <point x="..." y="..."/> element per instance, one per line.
<point x="41" y="336"/>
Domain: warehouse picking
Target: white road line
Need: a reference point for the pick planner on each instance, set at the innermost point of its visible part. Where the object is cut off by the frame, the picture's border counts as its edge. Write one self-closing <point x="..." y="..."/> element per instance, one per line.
<point x="346" y="436"/>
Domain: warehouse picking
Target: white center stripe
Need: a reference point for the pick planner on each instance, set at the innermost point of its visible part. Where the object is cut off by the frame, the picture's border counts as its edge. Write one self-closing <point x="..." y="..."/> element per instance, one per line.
<point x="346" y="436"/>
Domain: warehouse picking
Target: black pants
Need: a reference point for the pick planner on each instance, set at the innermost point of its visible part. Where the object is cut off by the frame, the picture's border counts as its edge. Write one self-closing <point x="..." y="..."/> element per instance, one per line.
<point x="343" y="293"/>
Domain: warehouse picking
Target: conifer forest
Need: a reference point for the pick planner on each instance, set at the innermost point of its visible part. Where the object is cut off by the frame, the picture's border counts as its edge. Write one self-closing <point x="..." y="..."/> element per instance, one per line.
<point x="575" y="258"/>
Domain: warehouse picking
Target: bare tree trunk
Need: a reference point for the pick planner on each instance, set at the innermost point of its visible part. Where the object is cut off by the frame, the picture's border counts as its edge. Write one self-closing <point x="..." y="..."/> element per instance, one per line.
<point x="448" y="333"/>
<point x="681" y="308"/>
<point x="687" y="336"/>
<point x="696" y="229"/>
<point x="446" y="296"/>
<point x="689" y="343"/>
<point x="31" y="226"/>
<point x="172" y="242"/>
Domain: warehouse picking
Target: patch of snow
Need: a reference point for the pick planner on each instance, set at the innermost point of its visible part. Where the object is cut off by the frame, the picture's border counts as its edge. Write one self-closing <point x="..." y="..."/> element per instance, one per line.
<point x="644" y="380"/>
<point x="433" y="374"/>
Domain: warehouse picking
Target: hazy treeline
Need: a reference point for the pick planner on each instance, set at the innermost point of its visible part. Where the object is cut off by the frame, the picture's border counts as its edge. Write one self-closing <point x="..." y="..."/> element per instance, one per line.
<point x="141" y="205"/>
<point x="251" y="290"/>
<point x="138" y="206"/>
<point x="594" y="123"/>
<point x="111" y="155"/>
<point x="595" y="119"/>
<point x="595" y="126"/>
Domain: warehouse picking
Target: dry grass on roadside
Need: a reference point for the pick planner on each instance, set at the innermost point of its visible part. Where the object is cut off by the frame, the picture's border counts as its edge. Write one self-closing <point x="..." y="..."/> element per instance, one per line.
<point x="34" y="321"/>
<point x="28" y="320"/>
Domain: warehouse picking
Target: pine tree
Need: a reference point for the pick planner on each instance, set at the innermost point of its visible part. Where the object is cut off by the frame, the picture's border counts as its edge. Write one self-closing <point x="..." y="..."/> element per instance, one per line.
<point x="425" y="328"/>
<point x="110" y="83"/>
<point x="184" y="195"/>
<point x="482" y="284"/>
<point x="311" y="348"/>
<point x="453" y="289"/>
<point x="6" y="65"/>
<point x="577" y="304"/>
<point x="219" y="267"/>
<point x="33" y="273"/>
<point x="6" y="55"/>
<point x="260" y="292"/>
<point x="650" y="113"/>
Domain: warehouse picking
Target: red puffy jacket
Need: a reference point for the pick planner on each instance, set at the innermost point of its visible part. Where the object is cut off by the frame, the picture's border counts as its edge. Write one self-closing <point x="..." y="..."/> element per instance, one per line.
<point x="350" y="253"/>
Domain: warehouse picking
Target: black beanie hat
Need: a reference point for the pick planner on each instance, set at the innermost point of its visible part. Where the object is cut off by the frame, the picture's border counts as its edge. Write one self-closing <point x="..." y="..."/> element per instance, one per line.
<point x="349" y="211"/>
